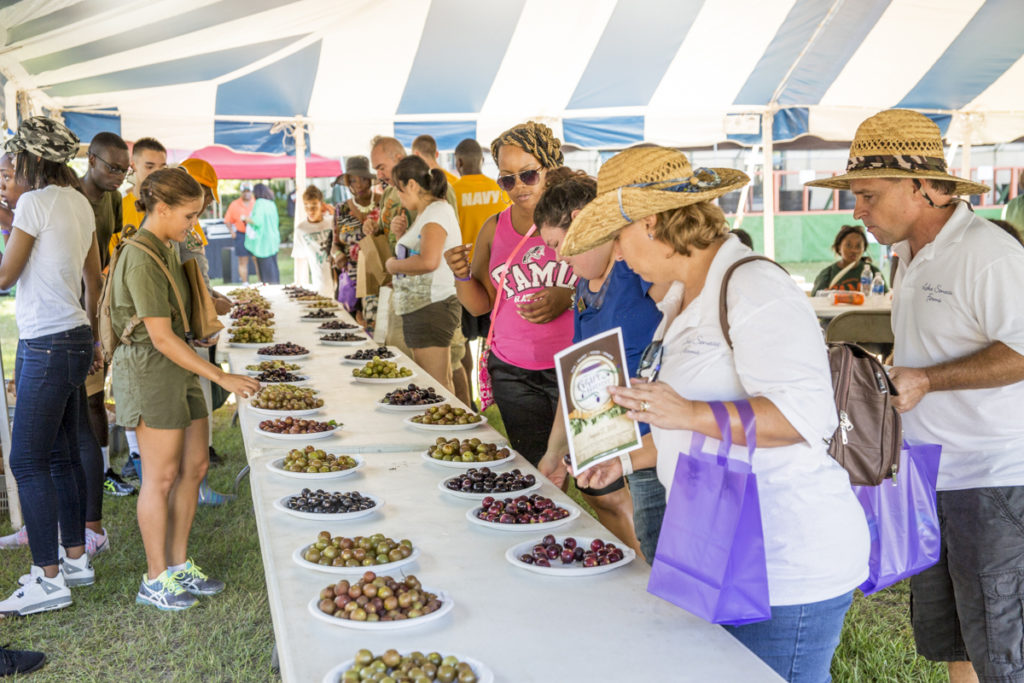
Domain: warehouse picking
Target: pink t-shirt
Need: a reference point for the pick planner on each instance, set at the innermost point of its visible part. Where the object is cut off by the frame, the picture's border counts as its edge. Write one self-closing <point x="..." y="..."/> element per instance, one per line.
<point x="516" y="341"/>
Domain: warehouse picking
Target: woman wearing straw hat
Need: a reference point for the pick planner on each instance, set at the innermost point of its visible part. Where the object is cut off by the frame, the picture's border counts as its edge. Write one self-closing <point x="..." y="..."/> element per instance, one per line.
<point x="958" y="320"/>
<point x="659" y="212"/>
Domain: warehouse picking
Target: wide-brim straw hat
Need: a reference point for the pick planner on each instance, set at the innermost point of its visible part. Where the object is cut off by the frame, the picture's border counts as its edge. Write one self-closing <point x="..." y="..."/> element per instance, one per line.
<point x="898" y="143"/>
<point x="641" y="182"/>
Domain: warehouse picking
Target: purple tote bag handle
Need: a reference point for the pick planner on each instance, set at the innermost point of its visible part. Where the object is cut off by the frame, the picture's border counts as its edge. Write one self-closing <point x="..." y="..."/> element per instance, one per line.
<point x="721" y="413"/>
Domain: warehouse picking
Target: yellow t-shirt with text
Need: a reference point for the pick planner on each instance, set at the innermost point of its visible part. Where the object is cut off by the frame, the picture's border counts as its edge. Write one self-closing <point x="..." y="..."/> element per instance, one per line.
<point x="477" y="198"/>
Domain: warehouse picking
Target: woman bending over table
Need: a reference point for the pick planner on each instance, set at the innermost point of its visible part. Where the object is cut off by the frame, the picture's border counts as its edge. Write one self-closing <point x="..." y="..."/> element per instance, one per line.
<point x="156" y="386"/>
<point x="658" y="211"/>
<point x="529" y="304"/>
<point x="424" y="290"/>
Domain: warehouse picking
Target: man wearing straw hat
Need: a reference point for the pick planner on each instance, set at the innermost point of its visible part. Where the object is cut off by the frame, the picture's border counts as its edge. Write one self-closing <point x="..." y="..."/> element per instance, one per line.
<point x="958" y="320"/>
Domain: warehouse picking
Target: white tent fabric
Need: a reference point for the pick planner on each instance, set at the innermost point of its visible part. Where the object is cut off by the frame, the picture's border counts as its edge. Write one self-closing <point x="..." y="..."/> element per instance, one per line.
<point x="602" y="73"/>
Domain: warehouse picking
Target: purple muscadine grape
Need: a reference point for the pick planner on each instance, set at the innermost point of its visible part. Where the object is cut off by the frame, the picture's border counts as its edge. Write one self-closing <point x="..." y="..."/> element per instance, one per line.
<point x="596" y="544"/>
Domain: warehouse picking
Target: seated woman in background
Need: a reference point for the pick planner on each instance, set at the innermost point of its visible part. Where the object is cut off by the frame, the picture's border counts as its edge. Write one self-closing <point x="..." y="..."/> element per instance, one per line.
<point x="851" y="247"/>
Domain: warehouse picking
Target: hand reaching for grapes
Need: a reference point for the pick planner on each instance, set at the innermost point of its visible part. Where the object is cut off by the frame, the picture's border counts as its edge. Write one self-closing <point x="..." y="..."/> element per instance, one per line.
<point x="240" y="385"/>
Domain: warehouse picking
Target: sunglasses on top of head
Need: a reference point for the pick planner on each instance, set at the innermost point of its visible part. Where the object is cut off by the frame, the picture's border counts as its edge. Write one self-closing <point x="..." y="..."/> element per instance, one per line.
<point x="529" y="177"/>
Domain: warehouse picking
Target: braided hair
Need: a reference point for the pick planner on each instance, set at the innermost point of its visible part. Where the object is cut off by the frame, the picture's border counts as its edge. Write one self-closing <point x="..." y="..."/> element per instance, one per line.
<point x="535" y="139"/>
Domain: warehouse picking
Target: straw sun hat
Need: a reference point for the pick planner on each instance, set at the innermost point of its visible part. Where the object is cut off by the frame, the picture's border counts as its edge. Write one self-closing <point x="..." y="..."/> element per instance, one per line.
<point x="641" y="182"/>
<point x="898" y="143"/>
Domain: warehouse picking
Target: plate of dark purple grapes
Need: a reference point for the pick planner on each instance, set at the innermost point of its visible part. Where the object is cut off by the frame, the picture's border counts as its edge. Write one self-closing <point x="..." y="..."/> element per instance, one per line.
<point x="522" y="513"/>
<point x="477" y="484"/>
<point x="334" y="505"/>
<point x="409" y="399"/>
<point x="569" y="556"/>
<point x="361" y="356"/>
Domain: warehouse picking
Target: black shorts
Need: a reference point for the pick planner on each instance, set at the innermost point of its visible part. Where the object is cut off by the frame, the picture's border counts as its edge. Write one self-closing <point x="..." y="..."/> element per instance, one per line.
<point x="475" y="326"/>
<point x="432" y="325"/>
<point x="968" y="606"/>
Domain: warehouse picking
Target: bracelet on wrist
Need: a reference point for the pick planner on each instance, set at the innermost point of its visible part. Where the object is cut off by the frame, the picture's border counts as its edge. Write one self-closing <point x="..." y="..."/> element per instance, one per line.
<point x="464" y="279"/>
<point x="627" y="464"/>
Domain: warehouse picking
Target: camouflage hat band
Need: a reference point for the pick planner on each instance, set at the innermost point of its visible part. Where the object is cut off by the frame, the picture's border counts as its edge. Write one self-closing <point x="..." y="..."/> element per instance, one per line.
<point x="906" y="162"/>
<point x="45" y="138"/>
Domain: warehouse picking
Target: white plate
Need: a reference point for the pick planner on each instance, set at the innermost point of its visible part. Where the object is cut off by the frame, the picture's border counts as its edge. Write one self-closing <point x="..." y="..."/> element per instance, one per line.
<point x="240" y="345"/>
<point x="360" y="570"/>
<point x="336" y="517"/>
<point x="254" y="373"/>
<point x="321" y="321"/>
<point x="387" y="407"/>
<point x="446" y="606"/>
<point x="557" y="568"/>
<point x="460" y="465"/>
<point x="574" y="512"/>
<point x="483" y="673"/>
<point x="288" y="359"/>
<point x="299" y="437"/>
<point x="382" y="380"/>
<point x="361" y="363"/>
<point x="443" y="428"/>
<point x="275" y="467"/>
<point x="481" y="496"/>
<point x="298" y="382"/>
<point x="358" y="342"/>
<point x="330" y="305"/>
<point x="284" y="413"/>
<point x="355" y="329"/>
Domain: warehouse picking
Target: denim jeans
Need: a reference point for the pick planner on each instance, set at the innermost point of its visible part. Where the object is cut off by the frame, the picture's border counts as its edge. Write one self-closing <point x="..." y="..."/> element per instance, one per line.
<point x="799" y="640"/>
<point x="267" y="267"/>
<point x="648" y="508"/>
<point x="50" y="371"/>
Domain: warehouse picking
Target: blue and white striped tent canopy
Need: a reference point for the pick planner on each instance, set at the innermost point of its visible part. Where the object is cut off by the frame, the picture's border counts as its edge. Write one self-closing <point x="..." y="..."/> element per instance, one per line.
<point x="602" y="73"/>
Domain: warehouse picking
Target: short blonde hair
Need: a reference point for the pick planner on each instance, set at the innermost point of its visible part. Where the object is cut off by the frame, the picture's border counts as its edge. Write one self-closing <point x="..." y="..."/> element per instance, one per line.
<point x="692" y="226"/>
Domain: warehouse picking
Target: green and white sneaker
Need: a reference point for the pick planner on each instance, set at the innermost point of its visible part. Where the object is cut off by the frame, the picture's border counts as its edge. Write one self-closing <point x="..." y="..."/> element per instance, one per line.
<point x="192" y="579"/>
<point x="164" y="593"/>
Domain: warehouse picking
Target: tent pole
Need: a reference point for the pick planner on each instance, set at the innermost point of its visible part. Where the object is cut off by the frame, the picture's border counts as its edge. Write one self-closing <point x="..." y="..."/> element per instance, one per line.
<point x="300" y="176"/>
<point x="965" y="154"/>
<point x="741" y="206"/>
<point x="768" y="184"/>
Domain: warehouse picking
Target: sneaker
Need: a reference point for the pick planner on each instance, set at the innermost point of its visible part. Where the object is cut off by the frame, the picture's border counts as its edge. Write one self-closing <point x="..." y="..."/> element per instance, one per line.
<point x="39" y="595"/>
<point x="18" y="539"/>
<point x="164" y="593"/>
<point x="114" y="485"/>
<point x="96" y="543"/>
<point x="215" y="458"/>
<point x="77" y="572"/>
<point x="207" y="496"/>
<point x="192" y="579"/>
<point x="19" y="661"/>
<point x="132" y="467"/>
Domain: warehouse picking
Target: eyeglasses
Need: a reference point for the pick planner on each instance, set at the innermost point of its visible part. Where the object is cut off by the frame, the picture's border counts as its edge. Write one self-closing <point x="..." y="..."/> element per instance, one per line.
<point x="529" y="177"/>
<point x="111" y="168"/>
<point x="650" y="361"/>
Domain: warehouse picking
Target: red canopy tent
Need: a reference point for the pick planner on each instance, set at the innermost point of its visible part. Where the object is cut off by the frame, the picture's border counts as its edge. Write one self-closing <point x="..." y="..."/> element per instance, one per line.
<point x="231" y="165"/>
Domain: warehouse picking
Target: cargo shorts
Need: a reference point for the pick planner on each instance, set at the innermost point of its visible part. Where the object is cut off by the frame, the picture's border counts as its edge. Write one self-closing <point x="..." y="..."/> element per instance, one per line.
<point x="970" y="605"/>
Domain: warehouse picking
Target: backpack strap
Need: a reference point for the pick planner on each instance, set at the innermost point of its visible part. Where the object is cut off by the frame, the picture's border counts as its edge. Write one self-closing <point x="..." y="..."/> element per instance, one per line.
<point x="170" y="279"/>
<point x="723" y="313"/>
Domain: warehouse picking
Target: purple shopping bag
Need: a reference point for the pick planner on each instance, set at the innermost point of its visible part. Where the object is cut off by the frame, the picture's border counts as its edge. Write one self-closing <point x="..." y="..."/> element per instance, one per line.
<point x="902" y="519"/>
<point x="710" y="558"/>
<point x="346" y="291"/>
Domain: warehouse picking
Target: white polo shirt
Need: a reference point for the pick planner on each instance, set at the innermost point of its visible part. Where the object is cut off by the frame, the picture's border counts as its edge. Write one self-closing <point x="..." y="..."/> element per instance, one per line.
<point x="815" y="534"/>
<point x="959" y="294"/>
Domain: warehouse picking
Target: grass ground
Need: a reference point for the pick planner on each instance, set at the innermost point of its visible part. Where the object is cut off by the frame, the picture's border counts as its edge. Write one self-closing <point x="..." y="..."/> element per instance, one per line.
<point x="105" y="636"/>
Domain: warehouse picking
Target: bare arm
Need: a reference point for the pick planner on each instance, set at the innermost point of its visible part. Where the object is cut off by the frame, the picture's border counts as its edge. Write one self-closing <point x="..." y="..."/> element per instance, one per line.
<point x="19" y="248"/>
<point x="995" y="365"/>
<point x="428" y="260"/>
<point x="93" y="284"/>
<point x="174" y="347"/>
<point x="551" y="465"/>
<point x="477" y="293"/>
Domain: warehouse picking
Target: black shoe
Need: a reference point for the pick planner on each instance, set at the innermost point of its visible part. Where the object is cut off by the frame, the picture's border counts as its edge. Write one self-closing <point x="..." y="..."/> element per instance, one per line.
<point x="114" y="485"/>
<point x="215" y="458"/>
<point x="131" y="467"/>
<point x="19" y="661"/>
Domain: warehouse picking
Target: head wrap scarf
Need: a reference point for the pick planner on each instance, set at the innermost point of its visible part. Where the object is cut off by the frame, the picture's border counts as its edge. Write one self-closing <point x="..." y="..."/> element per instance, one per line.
<point x="535" y="139"/>
<point x="45" y="138"/>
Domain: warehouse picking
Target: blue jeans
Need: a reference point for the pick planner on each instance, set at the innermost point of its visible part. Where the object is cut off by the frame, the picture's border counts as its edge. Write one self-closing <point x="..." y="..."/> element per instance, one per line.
<point x="799" y="640"/>
<point x="50" y="371"/>
<point x="648" y="508"/>
<point x="267" y="267"/>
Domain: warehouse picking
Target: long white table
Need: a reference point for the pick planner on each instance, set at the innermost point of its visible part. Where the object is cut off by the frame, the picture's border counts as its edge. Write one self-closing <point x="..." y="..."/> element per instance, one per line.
<point x="524" y="626"/>
<point x="826" y="310"/>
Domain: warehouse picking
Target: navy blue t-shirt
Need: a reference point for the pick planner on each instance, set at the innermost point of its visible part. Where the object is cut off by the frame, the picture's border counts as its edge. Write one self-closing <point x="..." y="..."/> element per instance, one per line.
<point x="622" y="302"/>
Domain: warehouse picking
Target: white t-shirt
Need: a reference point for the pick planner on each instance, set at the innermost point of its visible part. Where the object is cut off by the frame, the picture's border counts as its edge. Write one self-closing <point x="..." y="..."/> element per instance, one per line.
<point x="309" y="239"/>
<point x="414" y="292"/>
<point x="815" y="533"/>
<point x="50" y="287"/>
<point x="960" y="294"/>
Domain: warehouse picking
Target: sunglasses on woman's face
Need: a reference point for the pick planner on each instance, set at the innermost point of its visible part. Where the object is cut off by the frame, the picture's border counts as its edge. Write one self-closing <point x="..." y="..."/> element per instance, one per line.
<point x="650" y="361"/>
<point x="530" y="177"/>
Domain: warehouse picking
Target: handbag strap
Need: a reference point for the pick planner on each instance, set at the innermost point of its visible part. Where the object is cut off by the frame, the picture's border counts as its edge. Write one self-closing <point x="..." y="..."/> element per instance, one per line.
<point x="501" y="281"/>
<point x="723" y="312"/>
<point x="170" y="279"/>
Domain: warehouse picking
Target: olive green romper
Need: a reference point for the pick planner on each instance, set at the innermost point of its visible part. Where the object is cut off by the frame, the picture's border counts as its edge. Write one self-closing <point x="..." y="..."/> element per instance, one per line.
<point x="146" y="384"/>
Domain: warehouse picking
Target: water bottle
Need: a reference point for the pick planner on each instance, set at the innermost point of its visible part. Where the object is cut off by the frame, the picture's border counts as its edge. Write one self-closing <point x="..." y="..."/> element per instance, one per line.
<point x="865" y="280"/>
<point x="878" y="287"/>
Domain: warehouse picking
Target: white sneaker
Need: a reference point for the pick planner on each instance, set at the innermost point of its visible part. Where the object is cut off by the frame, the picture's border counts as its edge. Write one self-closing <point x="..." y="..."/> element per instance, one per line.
<point x="18" y="539"/>
<point x="96" y="543"/>
<point x="39" y="595"/>
<point x="77" y="572"/>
